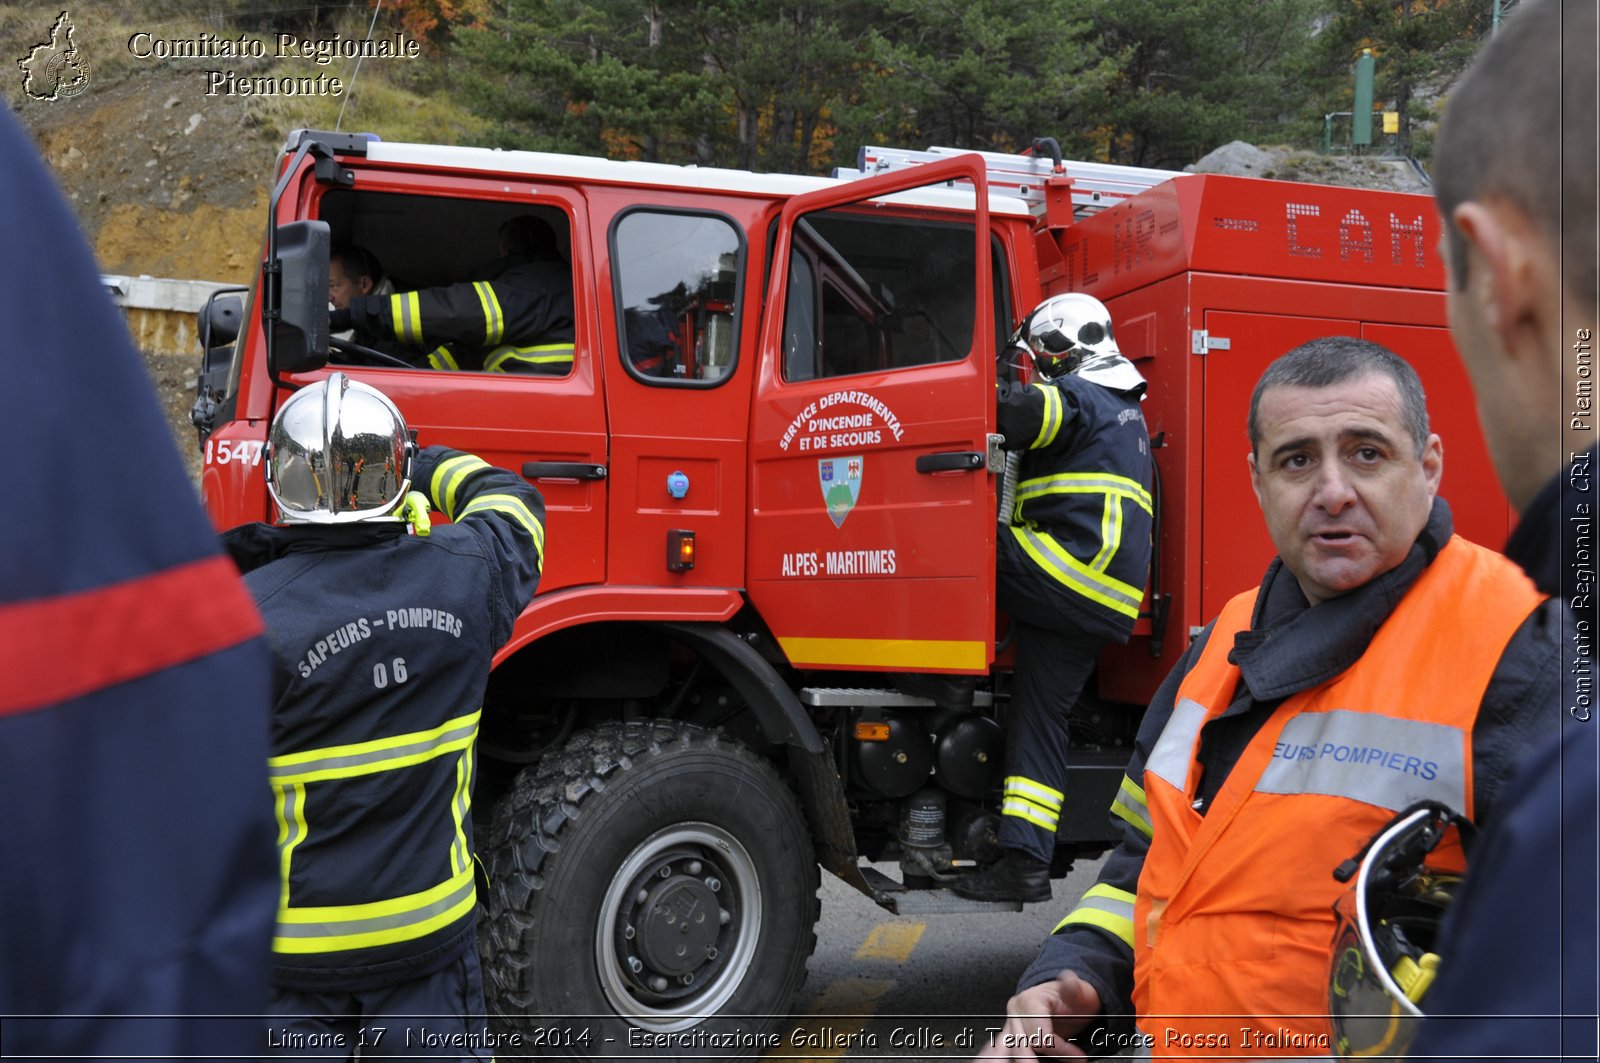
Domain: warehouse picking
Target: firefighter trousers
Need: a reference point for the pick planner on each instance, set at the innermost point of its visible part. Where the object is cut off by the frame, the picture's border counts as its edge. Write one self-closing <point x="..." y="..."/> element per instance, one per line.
<point x="1054" y="658"/>
<point x="437" y="1016"/>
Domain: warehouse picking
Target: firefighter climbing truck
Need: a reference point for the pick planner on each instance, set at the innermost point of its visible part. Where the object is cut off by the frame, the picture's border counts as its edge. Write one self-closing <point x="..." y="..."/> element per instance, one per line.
<point x="772" y="478"/>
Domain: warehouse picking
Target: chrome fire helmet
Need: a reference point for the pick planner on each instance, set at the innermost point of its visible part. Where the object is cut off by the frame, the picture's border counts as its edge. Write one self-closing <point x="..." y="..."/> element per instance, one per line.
<point x="1072" y="334"/>
<point x="337" y="453"/>
<point x="1386" y="926"/>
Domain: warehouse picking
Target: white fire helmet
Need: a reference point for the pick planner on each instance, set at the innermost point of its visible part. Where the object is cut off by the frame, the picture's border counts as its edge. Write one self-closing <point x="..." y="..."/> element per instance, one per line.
<point x="1384" y="949"/>
<point x="1072" y="334"/>
<point x="338" y="453"/>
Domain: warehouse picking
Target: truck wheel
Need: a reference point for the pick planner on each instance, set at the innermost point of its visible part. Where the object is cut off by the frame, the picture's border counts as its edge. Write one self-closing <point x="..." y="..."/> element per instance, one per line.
<point x="651" y="876"/>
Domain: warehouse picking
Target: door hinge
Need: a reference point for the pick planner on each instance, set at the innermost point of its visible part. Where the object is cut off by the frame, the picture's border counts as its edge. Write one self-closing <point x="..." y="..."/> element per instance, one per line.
<point x="1202" y="341"/>
<point x="997" y="455"/>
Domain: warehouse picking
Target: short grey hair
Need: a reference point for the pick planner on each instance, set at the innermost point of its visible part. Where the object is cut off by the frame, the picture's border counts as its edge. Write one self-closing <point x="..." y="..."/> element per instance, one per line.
<point x="1520" y="123"/>
<point x="1332" y="360"/>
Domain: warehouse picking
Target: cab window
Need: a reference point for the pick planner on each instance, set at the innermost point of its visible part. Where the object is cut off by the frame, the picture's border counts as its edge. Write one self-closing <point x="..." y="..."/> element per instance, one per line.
<point x="868" y="294"/>
<point x="445" y="249"/>
<point x="677" y="278"/>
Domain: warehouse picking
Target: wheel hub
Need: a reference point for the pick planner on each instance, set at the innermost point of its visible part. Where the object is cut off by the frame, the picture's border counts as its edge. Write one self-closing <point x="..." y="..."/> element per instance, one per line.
<point x="677" y="923"/>
<point x="680" y="925"/>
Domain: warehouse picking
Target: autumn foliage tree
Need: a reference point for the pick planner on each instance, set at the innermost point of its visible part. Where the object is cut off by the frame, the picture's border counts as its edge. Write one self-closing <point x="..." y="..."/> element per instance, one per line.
<point x="430" y="21"/>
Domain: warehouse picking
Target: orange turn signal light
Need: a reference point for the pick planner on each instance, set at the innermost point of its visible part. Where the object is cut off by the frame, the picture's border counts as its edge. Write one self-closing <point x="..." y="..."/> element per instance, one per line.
<point x="872" y="731"/>
<point x="680" y="550"/>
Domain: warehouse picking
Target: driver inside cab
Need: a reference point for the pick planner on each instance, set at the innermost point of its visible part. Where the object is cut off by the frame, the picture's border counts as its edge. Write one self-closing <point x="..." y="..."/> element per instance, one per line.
<point x="353" y="271"/>
<point x="514" y="316"/>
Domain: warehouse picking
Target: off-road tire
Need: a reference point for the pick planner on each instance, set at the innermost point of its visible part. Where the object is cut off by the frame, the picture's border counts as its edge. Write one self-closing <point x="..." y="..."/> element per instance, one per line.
<point x="649" y="876"/>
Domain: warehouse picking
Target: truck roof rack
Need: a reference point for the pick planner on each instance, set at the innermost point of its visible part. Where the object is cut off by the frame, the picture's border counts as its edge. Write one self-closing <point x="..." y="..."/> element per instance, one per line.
<point x="1095" y="185"/>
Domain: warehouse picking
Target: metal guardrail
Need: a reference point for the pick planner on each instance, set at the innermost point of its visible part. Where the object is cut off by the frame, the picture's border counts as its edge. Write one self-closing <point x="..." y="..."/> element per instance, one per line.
<point x="145" y="292"/>
<point x="160" y="311"/>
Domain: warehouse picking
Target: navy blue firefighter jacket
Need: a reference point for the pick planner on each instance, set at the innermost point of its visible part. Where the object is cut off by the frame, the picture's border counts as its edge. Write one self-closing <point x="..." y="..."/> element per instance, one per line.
<point x="383" y="643"/>
<point x="1084" y="511"/>
<point x="137" y="884"/>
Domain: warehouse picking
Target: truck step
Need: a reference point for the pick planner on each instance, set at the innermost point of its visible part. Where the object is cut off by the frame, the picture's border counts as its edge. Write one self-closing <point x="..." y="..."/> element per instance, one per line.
<point x="902" y="901"/>
<point x="832" y="697"/>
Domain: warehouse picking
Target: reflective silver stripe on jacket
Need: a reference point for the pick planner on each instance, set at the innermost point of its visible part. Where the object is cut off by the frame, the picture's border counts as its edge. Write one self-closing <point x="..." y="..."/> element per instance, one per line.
<point x="1060" y="565"/>
<point x="365" y="758"/>
<point x="460" y="889"/>
<point x="1381" y="760"/>
<point x="1050" y="418"/>
<point x="1131" y="805"/>
<point x="1174" y="750"/>
<point x="405" y="309"/>
<point x="1086" y="483"/>
<point x="1106" y="907"/>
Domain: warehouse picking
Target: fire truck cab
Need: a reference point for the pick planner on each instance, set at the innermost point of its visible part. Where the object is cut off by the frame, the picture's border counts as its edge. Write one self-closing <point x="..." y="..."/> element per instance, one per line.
<point x="772" y="476"/>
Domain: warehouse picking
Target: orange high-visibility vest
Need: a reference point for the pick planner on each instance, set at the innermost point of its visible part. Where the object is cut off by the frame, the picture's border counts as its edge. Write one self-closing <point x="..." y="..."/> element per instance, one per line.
<point x="1233" y="920"/>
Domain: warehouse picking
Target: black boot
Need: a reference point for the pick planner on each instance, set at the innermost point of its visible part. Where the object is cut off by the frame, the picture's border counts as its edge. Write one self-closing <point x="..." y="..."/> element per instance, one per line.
<point x="945" y="691"/>
<point x="1016" y="876"/>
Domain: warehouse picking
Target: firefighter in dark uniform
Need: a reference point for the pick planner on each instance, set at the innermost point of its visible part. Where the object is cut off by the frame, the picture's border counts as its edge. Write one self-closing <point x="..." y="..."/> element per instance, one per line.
<point x="383" y="641"/>
<point x="137" y="885"/>
<point x="1071" y="562"/>
<point x="514" y="317"/>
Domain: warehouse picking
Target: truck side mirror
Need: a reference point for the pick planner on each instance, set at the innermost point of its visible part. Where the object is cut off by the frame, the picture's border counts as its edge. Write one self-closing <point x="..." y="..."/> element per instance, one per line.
<point x="297" y="326"/>
<point x="219" y="321"/>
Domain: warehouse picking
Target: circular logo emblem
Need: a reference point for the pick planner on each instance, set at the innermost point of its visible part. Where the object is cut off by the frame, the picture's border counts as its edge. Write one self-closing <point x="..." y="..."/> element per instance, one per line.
<point x="68" y="72"/>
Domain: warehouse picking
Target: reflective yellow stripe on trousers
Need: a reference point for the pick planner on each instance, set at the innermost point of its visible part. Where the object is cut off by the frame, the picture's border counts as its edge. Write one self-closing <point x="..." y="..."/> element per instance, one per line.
<point x="508" y="359"/>
<point x="1033" y="801"/>
<point x="351" y="926"/>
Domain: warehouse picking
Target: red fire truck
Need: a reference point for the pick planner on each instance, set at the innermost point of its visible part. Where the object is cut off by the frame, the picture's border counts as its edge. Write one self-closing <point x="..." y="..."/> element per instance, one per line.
<point x="772" y="477"/>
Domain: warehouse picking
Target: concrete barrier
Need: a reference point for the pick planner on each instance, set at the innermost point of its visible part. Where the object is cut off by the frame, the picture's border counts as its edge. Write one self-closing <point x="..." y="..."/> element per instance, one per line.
<point x="160" y="311"/>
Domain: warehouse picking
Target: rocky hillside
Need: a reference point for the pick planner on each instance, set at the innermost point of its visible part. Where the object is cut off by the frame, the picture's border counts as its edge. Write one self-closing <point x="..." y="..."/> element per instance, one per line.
<point x="1293" y="164"/>
<point x="166" y="180"/>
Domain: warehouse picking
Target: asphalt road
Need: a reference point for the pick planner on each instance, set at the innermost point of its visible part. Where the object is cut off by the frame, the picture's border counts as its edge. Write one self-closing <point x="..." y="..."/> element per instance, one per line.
<point x="926" y="988"/>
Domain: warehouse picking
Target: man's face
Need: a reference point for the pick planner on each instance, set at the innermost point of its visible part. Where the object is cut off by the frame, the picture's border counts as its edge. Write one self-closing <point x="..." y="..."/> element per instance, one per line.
<point x="1339" y="481"/>
<point x="342" y="287"/>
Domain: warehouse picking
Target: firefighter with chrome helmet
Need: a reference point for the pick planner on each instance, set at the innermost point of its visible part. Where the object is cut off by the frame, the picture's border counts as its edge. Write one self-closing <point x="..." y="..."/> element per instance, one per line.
<point x="383" y="628"/>
<point x="1072" y="557"/>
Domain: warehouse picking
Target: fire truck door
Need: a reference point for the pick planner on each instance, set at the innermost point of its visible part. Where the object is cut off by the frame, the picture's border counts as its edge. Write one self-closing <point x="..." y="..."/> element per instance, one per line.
<point x="872" y="512"/>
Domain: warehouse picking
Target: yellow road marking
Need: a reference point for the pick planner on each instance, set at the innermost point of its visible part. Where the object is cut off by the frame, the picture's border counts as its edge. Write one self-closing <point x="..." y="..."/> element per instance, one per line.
<point x="891" y="941"/>
<point x="839" y="1015"/>
<point x="835" y="1023"/>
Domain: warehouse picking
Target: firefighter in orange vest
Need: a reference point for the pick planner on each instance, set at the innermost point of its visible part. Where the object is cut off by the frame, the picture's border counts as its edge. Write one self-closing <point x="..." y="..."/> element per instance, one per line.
<point x="1382" y="661"/>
